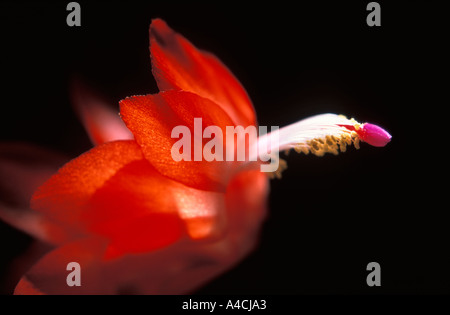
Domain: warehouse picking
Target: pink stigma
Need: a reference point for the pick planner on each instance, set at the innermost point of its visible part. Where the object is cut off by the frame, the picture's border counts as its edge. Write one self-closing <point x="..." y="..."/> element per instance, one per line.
<point x="374" y="135"/>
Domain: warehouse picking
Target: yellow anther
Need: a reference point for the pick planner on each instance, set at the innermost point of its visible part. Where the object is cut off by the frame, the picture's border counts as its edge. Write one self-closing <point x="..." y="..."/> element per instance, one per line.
<point x="318" y="153"/>
<point x="305" y="150"/>
<point x="330" y="141"/>
<point x="315" y="145"/>
<point x="301" y="149"/>
<point x="329" y="144"/>
<point x="331" y="149"/>
<point x="356" y="143"/>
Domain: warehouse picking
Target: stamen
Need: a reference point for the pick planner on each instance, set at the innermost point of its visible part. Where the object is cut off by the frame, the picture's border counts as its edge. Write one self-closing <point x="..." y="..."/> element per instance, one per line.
<point x="329" y="144"/>
<point x="321" y="134"/>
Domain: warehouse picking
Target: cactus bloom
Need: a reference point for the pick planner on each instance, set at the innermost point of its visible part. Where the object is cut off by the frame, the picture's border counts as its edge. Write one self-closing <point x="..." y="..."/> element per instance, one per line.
<point x="137" y="221"/>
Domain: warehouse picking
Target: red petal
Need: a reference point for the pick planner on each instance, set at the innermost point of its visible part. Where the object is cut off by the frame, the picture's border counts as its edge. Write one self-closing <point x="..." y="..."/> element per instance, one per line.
<point x="152" y="118"/>
<point x="246" y="201"/>
<point x="173" y="270"/>
<point x="25" y="287"/>
<point x="136" y="210"/>
<point x="176" y="269"/>
<point x="102" y="123"/>
<point x="49" y="275"/>
<point x="140" y="210"/>
<point x="178" y="65"/>
<point x="112" y="191"/>
<point x="64" y="194"/>
<point x="18" y="266"/>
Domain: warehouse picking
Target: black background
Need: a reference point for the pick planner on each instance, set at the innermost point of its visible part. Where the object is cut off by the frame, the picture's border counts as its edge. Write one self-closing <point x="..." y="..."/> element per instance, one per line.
<point x="329" y="217"/>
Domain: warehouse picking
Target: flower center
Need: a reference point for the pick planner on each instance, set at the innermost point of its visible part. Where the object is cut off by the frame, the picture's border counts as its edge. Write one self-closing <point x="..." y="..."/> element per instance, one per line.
<point x="321" y="134"/>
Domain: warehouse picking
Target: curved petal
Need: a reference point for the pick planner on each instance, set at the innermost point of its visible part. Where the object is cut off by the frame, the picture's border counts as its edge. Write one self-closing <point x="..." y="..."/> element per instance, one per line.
<point x="176" y="269"/>
<point x="140" y="210"/>
<point x="49" y="275"/>
<point x="25" y="287"/>
<point x="20" y="264"/>
<point x="178" y="65"/>
<point x="189" y="265"/>
<point x="63" y="196"/>
<point x="246" y="201"/>
<point x="113" y="192"/>
<point x="159" y="272"/>
<point x="135" y="210"/>
<point x="101" y="122"/>
<point x="152" y="119"/>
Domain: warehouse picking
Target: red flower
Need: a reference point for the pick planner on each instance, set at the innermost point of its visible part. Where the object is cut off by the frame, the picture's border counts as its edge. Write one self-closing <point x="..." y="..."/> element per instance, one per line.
<point x="136" y="220"/>
<point x="132" y="217"/>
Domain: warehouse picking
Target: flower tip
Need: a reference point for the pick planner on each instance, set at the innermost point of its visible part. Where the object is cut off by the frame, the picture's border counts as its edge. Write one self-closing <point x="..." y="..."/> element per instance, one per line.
<point x="158" y="22"/>
<point x="160" y="31"/>
<point x="375" y="135"/>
